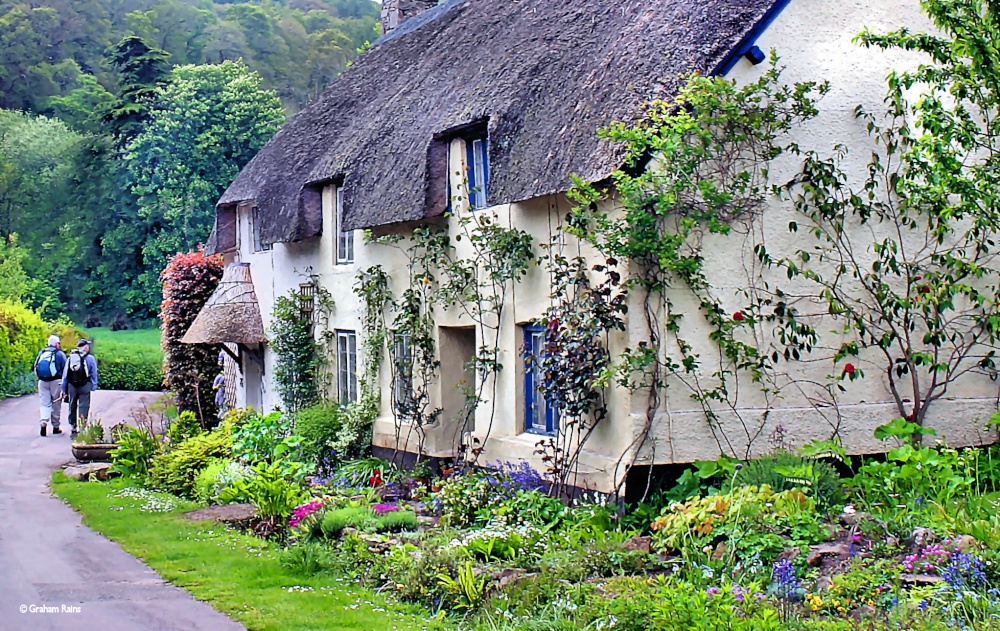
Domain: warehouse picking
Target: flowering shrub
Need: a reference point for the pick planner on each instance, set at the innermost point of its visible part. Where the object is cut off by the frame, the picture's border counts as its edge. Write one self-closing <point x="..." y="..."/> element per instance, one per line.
<point x="189" y="369"/>
<point x="474" y="496"/>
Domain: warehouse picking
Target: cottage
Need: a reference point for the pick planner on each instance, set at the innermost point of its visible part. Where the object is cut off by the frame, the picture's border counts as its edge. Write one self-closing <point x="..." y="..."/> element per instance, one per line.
<point x="466" y="119"/>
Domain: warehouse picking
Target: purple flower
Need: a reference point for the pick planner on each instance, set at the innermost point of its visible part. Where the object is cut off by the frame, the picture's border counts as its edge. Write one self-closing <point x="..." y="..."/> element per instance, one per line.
<point x="303" y="511"/>
<point x="783" y="579"/>
<point x="382" y="509"/>
<point x="964" y="571"/>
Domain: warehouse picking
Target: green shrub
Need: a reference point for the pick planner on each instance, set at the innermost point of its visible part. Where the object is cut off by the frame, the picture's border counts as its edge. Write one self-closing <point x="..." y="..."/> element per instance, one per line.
<point x="397" y="521"/>
<point x="22" y="335"/>
<point x="183" y="427"/>
<point x="319" y="425"/>
<point x="271" y="487"/>
<point x="130" y="372"/>
<point x="255" y="440"/>
<point x="176" y="470"/>
<point x="134" y="454"/>
<point x="217" y="477"/>
<point x="335" y="521"/>
<point x="783" y="471"/>
<point x="126" y="360"/>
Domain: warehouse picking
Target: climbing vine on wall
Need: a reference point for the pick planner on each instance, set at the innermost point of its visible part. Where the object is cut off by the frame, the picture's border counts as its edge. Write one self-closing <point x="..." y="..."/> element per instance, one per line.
<point x="296" y="354"/>
<point x="698" y="166"/>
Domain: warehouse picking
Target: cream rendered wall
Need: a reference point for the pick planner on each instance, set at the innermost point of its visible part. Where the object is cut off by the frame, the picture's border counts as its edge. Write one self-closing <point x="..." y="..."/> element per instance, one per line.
<point x="814" y="41"/>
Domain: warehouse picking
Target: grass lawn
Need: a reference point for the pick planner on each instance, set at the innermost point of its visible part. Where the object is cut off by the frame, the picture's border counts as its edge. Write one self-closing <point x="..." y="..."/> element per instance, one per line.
<point x="144" y="343"/>
<point x="237" y="574"/>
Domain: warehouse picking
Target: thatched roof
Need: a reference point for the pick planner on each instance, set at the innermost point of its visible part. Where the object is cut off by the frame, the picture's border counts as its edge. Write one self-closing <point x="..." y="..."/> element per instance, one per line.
<point x="231" y="313"/>
<point x="546" y="74"/>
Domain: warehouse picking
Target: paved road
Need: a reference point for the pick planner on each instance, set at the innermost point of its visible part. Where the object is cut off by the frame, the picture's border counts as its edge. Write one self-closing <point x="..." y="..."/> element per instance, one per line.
<point x="48" y="558"/>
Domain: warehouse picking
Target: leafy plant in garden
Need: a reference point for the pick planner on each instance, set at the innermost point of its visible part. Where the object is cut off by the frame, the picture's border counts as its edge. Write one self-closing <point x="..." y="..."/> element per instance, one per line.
<point x="271" y="488"/>
<point x="783" y="471"/>
<point x="188" y="282"/>
<point x="134" y="452"/>
<point x="176" y="470"/>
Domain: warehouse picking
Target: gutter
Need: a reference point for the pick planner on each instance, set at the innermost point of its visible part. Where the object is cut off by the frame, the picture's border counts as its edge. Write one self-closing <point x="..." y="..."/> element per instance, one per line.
<point x="747" y="47"/>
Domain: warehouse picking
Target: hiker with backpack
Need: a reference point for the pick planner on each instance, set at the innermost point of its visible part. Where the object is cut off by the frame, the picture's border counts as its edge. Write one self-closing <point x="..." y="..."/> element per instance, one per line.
<point x="79" y="380"/>
<point x="49" y="365"/>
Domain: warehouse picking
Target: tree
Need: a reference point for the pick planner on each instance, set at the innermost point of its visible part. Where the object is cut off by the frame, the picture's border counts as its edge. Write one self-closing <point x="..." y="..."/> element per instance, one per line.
<point x="207" y="123"/>
<point x="141" y="71"/>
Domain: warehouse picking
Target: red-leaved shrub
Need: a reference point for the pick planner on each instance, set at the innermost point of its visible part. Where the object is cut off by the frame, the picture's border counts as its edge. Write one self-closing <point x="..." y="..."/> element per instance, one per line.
<point x="189" y="369"/>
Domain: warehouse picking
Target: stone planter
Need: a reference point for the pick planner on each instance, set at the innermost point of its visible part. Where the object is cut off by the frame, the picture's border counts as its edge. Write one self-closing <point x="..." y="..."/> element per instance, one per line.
<point x="92" y="453"/>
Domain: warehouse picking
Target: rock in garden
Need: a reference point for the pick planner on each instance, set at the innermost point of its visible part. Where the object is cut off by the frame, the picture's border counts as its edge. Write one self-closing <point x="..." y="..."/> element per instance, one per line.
<point x="95" y="470"/>
<point x="920" y="579"/>
<point x="966" y="542"/>
<point x="823" y="584"/>
<point x="817" y="552"/>
<point x="788" y="554"/>
<point x="228" y="514"/>
<point x="641" y="544"/>
<point x="921" y="537"/>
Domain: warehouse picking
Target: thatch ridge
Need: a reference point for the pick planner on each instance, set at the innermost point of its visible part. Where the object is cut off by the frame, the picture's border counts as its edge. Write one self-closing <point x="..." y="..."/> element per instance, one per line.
<point x="546" y="74"/>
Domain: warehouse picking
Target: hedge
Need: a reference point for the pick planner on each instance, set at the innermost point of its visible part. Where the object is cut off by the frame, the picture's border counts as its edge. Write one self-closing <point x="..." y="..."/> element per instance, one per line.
<point x="22" y="335"/>
<point x="130" y="371"/>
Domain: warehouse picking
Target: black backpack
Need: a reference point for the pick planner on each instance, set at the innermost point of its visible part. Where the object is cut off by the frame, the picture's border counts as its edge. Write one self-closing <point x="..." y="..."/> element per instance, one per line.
<point x="77" y="372"/>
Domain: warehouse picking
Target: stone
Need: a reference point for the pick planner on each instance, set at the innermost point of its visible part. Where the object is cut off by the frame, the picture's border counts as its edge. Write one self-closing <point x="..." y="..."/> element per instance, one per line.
<point x="227" y="514"/>
<point x="788" y="554"/>
<point x="823" y="584"/>
<point x="853" y="519"/>
<point x="95" y="470"/>
<point x="637" y="543"/>
<point x="817" y="552"/>
<point x="921" y="537"/>
<point x="965" y="542"/>
<point x="720" y="551"/>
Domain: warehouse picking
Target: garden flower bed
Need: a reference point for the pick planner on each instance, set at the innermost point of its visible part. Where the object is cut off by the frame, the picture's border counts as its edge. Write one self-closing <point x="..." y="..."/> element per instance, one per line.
<point x="791" y="541"/>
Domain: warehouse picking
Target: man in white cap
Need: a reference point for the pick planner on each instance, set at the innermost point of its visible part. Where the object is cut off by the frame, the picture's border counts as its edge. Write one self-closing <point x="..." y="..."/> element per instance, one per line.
<point x="49" y="365"/>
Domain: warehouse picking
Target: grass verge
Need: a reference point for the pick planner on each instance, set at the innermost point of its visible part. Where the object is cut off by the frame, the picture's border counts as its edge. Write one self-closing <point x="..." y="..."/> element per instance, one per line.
<point x="237" y="574"/>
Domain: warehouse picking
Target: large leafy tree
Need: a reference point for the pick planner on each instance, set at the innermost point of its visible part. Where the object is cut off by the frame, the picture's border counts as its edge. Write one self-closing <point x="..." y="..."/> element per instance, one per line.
<point x="206" y="124"/>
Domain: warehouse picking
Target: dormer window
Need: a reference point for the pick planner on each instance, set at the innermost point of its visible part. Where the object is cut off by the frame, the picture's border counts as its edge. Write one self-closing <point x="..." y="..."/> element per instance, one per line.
<point x="259" y="244"/>
<point x="477" y="161"/>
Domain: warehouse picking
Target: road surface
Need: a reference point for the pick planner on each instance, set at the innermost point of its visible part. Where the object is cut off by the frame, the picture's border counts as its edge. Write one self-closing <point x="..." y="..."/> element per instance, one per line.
<point x="75" y="579"/>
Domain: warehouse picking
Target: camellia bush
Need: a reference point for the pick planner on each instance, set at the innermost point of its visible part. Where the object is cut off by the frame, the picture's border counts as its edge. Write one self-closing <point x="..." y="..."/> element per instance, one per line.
<point x="189" y="369"/>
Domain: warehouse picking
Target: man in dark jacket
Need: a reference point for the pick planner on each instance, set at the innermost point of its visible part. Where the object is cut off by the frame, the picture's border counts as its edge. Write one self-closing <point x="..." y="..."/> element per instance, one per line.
<point x="49" y="366"/>
<point x="79" y="380"/>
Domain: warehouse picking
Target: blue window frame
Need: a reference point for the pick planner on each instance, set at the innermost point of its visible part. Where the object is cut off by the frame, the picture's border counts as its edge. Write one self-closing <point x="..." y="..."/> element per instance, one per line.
<point x="477" y="159"/>
<point x="540" y="415"/>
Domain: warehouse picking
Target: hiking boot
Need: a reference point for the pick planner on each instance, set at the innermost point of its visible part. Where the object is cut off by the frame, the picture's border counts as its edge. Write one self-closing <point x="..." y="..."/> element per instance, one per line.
<point x="41" y="431"/>
<point x="56" y="430"/>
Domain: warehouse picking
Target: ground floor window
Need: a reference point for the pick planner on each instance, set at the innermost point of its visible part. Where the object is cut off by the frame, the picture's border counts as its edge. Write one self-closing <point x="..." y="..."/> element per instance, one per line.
<point x="540" y="416"/>
<point x="347" y="367"/>
<point x="402" y="358"/>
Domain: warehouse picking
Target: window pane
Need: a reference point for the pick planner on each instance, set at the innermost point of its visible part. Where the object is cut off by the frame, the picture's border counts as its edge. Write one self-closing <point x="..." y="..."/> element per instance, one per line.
<point x="478" y="167"/>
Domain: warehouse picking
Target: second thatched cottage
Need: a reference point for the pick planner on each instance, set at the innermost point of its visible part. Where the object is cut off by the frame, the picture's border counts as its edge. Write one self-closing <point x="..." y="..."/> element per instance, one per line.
<point x="466" y="120"/>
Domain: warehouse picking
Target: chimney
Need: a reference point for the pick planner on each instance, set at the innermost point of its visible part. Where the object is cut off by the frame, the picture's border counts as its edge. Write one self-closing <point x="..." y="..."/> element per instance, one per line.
<point x="395" y="12"/>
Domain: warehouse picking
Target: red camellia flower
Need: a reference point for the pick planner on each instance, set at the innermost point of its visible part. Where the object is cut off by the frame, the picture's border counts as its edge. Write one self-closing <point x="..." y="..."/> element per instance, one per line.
<point x="376" y="479"/>
<point x="925" y="289"/>
<point x="849" y="369"/>
<point x="738" y="316"/>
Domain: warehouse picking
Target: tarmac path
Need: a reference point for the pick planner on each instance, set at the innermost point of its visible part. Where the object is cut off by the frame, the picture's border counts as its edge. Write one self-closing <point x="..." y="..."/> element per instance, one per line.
<point x="49" y="559"/>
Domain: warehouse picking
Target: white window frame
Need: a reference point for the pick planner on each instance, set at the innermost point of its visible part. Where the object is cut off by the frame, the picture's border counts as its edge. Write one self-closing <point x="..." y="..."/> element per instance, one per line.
<point x="345" y="239"/>
<point x="347" y="366"/>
